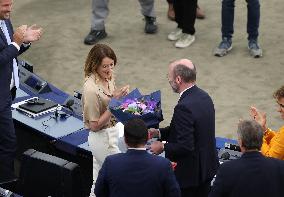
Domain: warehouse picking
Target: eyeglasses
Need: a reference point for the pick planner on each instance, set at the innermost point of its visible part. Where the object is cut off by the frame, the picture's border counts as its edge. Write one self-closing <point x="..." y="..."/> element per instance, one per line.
<point x="111" y="66"/>
<point x="280" y="105"/>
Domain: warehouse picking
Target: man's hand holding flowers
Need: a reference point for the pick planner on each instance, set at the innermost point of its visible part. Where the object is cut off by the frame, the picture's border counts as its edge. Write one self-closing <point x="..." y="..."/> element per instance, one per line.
<point x="157" y="147"/>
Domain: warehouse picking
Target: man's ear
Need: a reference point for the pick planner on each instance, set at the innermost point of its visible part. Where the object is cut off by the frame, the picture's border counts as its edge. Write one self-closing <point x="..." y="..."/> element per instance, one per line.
<point x="240" y="142"/>
<point x="178" y="79"/>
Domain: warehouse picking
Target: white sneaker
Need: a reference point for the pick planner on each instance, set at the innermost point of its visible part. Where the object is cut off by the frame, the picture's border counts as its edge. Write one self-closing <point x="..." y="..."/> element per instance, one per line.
<point x="185" y="40"/>
<point x="175" y="35"/>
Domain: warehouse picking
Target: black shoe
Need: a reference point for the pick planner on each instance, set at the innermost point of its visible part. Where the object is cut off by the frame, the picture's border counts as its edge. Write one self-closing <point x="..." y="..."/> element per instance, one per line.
<point x="94" y="36"/>
<point x="150" y="25"/>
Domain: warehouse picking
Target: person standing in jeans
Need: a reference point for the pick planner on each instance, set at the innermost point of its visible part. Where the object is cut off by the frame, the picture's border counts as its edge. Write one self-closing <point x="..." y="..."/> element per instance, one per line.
<point x="100" y="11"/>
<point x="253" y="17"/>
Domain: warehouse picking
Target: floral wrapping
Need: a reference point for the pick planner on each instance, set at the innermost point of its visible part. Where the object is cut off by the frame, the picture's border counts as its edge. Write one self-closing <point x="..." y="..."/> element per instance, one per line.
<point x="136" y="105"/>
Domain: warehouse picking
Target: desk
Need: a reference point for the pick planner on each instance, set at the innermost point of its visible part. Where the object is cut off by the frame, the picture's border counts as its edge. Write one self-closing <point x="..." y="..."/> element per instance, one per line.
<point x="49" y="126"/>
<point x="77" y="143"/>
<point x="43" y="132"/>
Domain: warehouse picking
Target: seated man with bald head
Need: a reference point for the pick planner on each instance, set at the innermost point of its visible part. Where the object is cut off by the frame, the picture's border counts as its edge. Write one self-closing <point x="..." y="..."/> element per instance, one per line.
<point x="191" y="135"/>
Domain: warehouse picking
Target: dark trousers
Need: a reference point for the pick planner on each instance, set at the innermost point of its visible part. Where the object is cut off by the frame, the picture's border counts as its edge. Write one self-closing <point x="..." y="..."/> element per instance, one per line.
<point x="200" y="191"/>
<point x="253" y="15"/>
<point x="170" y="1"/>
<point x="13" y="92"/>
<point x="7" y="144"/>
<point x="185" y="15"/>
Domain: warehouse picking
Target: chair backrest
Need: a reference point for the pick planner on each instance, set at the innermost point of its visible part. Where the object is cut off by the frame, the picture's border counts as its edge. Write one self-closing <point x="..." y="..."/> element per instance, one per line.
<point x="46" y="175"/>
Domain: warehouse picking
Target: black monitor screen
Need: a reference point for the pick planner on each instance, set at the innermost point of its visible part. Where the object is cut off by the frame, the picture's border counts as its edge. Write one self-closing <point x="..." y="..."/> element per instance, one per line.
<point x="32" y="82"/>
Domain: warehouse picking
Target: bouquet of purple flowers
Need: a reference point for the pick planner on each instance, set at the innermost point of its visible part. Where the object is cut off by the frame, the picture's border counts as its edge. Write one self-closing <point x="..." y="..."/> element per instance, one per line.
<point x="136" y="105"/>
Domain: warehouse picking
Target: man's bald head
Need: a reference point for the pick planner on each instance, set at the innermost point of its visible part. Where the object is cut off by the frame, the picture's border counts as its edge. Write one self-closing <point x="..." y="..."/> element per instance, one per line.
<point x="186" y="62"/>
<point x="183" y="68"/>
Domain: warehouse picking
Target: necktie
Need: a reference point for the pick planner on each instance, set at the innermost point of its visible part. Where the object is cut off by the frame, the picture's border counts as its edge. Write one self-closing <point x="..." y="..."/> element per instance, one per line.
<point x="15" y="74"/>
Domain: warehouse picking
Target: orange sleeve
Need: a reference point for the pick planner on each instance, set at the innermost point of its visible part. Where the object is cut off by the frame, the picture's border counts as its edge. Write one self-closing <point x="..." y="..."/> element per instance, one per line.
<point x="268" y="135"/>
<point x="273" y="144"/>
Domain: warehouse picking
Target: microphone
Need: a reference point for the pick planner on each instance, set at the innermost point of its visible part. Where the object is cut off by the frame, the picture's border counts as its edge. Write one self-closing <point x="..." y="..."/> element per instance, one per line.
<point x="62" y="114"/>
<point x="69" y="104"/>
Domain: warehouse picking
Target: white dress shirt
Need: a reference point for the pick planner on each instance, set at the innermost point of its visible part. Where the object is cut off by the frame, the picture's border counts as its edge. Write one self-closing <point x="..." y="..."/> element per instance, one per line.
<point x="15" y="74"/>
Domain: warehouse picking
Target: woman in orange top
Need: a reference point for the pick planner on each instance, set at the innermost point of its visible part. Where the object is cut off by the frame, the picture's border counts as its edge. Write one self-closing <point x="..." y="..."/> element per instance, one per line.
<point x="273" y="142"/>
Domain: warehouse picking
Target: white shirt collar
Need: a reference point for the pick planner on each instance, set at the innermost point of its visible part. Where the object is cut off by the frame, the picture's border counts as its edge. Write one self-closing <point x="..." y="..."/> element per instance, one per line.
<point x="180" y="94"/>
<point x="136" y="148"/>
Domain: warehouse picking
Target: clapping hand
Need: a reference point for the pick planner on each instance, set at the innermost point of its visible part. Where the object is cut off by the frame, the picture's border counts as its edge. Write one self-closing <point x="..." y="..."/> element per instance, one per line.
<point x="33" y="33"/>
<point x="118" y="93"/>
<point x="258" y="116"/>
<point x="19" y="34"/>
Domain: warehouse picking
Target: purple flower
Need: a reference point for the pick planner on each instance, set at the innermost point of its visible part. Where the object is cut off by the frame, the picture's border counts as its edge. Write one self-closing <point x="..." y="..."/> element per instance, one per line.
<point x="138" y="106"/>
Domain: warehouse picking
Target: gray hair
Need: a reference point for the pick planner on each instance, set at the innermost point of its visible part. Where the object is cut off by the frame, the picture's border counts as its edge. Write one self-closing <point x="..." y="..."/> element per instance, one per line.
<point x="251" y="134"/>
<point x="187" y="74"/>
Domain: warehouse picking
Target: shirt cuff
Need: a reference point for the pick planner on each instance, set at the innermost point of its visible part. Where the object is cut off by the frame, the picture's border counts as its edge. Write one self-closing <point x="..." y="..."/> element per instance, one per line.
<point x="26" y="44"/>
<point x="163" y="143"/>
<point x="159" y="134"/>
<point x="16" y="45"/>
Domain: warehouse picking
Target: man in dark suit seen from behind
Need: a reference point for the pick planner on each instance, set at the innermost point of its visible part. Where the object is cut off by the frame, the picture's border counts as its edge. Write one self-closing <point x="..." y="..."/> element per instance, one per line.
<point x="12" y="44"/>
<point x="253" y="174"/>
<point x="191" y="135"/>
<point x="136" y="172"/>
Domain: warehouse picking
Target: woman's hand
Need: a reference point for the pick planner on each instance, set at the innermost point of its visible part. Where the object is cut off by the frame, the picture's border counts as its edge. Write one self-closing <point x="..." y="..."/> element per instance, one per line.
<point x="118" y="93"/>
<point x="102" y="121"/>
<point x="258" y="116"/>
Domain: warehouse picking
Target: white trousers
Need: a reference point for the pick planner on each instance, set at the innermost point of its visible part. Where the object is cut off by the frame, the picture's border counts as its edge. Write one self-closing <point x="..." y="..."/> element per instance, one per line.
<point x="103" y="143"/>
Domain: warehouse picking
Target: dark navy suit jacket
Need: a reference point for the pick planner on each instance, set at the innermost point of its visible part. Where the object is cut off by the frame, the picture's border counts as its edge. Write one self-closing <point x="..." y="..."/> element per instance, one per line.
<point x="7" y="133"/>
<point x="136" y="173"/>
<point x="191" y="138"/>
<point x="7" y="54"/>
<point x="251" y="175"/>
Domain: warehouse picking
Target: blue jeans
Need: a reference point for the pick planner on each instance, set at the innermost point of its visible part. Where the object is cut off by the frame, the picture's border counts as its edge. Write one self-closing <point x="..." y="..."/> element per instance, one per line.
<point x="253" y="16"/>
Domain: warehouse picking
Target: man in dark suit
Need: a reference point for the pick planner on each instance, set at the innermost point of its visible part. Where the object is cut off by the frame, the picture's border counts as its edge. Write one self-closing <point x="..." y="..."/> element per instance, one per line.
<point x="252" y="174"/>
<point x="11" y="45"/>
<point x="191" y="135"/>
<point x="136" y="172"/>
